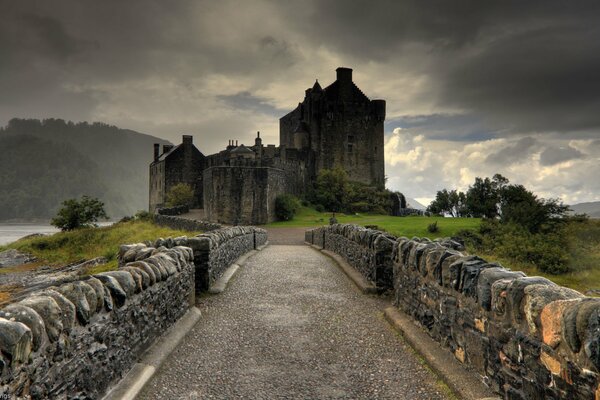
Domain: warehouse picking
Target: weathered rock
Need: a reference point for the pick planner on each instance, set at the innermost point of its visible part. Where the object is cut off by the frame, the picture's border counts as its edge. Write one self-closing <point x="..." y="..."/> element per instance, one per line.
<point x="126" y="281"/>
<point x="144" y="253"/>
<point x="28" y="316"/>
<point x="12" y="257"/>
<point x="575" y="320"/>
<point x="142" y="278"/>
<point x="592" y="337"/>
<point x="484" y="284"/>
<point x="149" y="271"/>
<point x="76" y="296"/>
<point x="538" y="296"/>
<point x="99" y="291"/>
<point x="119" y="296"/>
<point x="516" y="291"/>
<point x="15" y="340"/>
<point x="137" y="277"/>
<point x="50" y="313"/>
<point x="67" y="309"/>
<point x="551" y="318"/>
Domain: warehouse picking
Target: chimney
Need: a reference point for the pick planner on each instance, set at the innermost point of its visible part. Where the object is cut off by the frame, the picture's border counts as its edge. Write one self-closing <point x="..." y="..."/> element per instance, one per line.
<point x="344" y="75"/>
<point x="156" y="151"/>
<point x="167" y="148"/>
<point x="236" y="143"/>
<point x="188" y="139"/>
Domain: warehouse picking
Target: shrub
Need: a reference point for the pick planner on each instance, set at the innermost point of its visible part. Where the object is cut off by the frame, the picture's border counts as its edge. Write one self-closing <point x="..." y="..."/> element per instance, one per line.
<point x="143" y="215"/>
<point x="433" y="228"/>
<point x="286" y="206"/>
<point x="319" y="208"/>
<point x="181" y="194"/>
<point x="79" y="213"/>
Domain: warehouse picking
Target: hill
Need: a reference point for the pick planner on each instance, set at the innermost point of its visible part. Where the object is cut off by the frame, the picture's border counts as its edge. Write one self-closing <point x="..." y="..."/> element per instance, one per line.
<point x="592" y="209"/>
<point x="45" y="162"/>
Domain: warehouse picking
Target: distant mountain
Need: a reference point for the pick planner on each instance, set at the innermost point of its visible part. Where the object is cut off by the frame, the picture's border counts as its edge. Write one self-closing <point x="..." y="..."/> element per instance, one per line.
<point x="592" y="209"/>
<point x="45" y="162"/>
<point x="412" y="203"/>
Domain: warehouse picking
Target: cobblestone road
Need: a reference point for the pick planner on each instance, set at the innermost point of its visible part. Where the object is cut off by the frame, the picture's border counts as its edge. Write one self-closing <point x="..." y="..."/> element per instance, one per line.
<point x="292" y="326"/>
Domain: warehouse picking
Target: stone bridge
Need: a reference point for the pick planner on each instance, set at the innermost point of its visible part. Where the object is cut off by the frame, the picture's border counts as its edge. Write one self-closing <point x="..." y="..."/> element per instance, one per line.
<point x="333" y="312"/>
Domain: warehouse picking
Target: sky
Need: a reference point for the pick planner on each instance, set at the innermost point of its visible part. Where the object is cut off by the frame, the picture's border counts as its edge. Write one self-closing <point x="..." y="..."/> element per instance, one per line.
<point x="473" y="88"/>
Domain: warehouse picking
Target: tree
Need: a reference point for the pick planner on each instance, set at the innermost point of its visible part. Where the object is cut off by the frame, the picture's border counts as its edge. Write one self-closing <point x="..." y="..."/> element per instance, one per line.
<point x="286" y="206"/>
<point x="332" y="189"/>
<point x="181" y="194"/>
<point x="520" y="206"/>
<point x="79" y="213"/>
<point x="451" y="202"/>
<point x="483" y="198"/>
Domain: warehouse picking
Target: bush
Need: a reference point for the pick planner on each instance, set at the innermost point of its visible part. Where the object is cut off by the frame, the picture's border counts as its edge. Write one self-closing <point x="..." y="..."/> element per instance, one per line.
<point x="143" y="215"/>
<point x="433" y="228"/>
<point x="286" y="206"/>
<point x="181" y="194"/>
<point x="79" y="213"/>
<point x="319" y="208"/>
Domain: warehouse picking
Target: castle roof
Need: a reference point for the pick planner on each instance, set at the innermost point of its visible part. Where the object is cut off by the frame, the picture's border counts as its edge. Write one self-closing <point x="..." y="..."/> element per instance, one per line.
<point x="317" y="87"/>
<point x="165" y="155"/>
<point x="332" y="92"/>
<point x="241" y="149"/>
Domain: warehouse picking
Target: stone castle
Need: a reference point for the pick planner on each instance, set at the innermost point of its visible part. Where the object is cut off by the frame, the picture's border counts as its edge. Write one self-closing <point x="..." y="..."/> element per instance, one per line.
<point x="337" y="125"/>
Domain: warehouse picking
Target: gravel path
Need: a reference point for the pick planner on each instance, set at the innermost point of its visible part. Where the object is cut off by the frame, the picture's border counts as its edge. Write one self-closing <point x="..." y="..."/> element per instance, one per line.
<point x="292" y="326"/>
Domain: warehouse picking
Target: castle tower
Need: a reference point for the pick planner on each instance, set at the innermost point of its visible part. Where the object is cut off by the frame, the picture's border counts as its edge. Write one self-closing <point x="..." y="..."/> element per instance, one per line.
<point x="340" y="126"/>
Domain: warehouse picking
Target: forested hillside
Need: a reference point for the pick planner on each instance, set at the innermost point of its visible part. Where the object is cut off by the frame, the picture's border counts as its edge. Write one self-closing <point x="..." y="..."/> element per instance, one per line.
<point x="44" y="162"/>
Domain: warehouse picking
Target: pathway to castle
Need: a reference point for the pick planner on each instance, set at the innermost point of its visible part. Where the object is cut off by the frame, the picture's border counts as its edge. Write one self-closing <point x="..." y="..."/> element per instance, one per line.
<point x="291" y="325"/>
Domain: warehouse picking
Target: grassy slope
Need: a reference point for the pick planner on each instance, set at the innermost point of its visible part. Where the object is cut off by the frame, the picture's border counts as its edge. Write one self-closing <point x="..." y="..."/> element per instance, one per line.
<point x="399" y="226"/>
<point x="584" y="258"/>
<point x="68" y="247"/>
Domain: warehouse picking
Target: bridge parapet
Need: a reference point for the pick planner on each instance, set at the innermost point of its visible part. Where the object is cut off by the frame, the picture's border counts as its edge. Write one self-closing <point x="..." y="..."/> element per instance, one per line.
<point x="528" y="337"/>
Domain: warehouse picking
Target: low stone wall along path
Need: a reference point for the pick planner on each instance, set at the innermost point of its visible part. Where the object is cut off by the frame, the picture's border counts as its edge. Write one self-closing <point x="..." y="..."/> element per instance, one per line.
<point x="291" y="325"/>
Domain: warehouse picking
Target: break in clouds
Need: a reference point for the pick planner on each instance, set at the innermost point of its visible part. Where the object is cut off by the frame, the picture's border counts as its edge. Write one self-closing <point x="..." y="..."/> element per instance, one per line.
<point x="473" y="88"/>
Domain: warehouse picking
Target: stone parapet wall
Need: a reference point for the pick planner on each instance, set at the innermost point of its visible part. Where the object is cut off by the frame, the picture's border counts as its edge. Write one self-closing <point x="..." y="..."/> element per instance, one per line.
<point x="369" y="251"/>
<point x="74" y="340"/>
<point x="528" y="337"/>
<point x="213" y="251"/>
<point x="184" y="224"/>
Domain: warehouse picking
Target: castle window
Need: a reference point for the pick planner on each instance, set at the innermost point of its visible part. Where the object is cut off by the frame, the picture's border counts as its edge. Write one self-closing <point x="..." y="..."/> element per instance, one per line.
<point x="349" y="147"/>
<point x="350" y="138"/>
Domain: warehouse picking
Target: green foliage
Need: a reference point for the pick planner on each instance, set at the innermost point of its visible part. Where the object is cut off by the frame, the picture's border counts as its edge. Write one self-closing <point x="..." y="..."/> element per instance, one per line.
<point x="79" y="213"/>
<point x="333" y="192"/>
<point x="433" y="227"/>
<point x="67" y="247"/>
<point x="449" y="202"/>
<point x="180" y="194"/>
<point x="332" y="189"/>
<point x="286" y="207"/>
<point x="52" y="160"/>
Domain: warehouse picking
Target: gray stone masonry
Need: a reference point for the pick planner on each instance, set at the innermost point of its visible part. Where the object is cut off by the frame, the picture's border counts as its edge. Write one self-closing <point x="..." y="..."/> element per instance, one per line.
<point x="528" y="337"/>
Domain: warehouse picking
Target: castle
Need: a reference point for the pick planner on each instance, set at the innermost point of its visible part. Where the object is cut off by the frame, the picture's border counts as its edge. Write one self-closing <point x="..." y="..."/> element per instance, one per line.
<point x="337" y="125"/>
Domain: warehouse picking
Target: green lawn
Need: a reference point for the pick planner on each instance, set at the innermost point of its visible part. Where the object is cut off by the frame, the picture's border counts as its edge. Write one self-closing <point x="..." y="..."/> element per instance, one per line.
<point x="83" y="244"/>
<point x="398" y="226"/>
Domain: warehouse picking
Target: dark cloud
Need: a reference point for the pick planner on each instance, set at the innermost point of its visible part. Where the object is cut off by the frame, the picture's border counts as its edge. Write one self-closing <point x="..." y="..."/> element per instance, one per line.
<point x="458" y="127"/>
<point x="554" y="155"/>
<point x="515" y="152"/>
<point x="248" y="102"/>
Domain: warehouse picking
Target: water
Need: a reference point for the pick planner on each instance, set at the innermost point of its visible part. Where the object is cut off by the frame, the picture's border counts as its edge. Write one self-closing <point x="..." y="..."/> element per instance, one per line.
<point x="10" y="232"/>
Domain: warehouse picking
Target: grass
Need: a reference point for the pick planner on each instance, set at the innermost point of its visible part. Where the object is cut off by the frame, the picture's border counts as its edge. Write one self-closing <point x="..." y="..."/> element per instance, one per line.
<point x="83" y="244"/>
<point x="584" y="238"/>
<point x="584" y="258"/>
<point x="398" y="226"/>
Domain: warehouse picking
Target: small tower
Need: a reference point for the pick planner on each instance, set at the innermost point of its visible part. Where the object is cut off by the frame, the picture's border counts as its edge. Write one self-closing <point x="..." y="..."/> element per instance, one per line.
<point x="258" y="147"/>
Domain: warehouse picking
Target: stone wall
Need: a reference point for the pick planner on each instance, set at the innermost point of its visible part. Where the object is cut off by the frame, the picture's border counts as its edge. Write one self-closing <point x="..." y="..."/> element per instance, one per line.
<point x="213" y="251"/>
<point x="184" y="224"/>
<point x="72" y="341"/>
<point x="528" y="337"/>
<point x="176" y="210"/>
<point x="367" y="250"/>
<point x="239" y="195"/>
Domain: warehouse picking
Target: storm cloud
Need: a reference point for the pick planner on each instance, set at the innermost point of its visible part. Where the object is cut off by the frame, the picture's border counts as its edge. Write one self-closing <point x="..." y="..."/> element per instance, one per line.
<point x="515" y="82"/>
